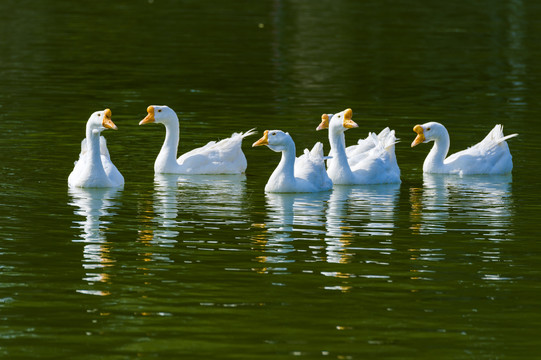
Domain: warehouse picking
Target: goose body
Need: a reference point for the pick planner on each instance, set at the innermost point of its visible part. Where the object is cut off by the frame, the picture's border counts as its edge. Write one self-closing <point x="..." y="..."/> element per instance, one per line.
<point x="490" y="156"/>
<point x="295" y="175"/>
<point x="94" y="169"/>
<point x="370" y="161"/>
<point x="222" y="157"/>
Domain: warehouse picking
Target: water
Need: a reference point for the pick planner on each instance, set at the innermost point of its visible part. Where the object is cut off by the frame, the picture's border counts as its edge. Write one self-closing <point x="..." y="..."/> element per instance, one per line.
<point x="212" y="267"/>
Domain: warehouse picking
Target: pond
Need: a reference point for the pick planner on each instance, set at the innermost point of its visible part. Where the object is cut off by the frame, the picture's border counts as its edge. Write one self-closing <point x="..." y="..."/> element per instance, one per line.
<point x="213" y="267"/>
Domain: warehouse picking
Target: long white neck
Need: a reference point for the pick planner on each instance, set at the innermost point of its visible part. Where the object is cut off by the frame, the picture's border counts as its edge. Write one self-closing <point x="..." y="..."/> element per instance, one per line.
<point x="434" y="160"/>
<point x="339" y="170"/>
<point x="283" y="177"/>
<point x="167" y="158"/>
<point x="95" y="166"/>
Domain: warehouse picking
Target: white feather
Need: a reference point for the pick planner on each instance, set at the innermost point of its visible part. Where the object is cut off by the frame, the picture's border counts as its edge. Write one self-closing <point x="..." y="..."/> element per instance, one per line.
<point x="216" y="157"/>
<point x="489" y="156"/>
<point x="371" y="161"/>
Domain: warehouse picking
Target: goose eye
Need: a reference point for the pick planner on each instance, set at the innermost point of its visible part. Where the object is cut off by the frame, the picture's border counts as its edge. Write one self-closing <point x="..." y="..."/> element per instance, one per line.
<point x="99" y="114"/>
<point x="427" y="129"/>
<point x="160" y="110"/>
<point x="273" y="133"/>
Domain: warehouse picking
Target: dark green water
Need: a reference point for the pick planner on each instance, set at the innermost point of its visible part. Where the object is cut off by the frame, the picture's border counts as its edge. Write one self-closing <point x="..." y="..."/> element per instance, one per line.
<point x="211" y="267"/>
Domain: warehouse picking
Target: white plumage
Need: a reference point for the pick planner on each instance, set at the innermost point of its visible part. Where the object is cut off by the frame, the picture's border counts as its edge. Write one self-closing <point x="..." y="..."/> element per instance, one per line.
<point x="295" y="175"/>
<point x="370" y="161"/>
<point x="216" y="157"/>
<point x="490" y="156"/>
<point x="94" y="169"/>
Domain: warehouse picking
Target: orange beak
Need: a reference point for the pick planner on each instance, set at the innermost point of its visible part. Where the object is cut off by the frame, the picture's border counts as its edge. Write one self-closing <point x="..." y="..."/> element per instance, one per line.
<point x="348" y="123"/>
<point x="263" y="141"/>
<point x="150" y="117"/>
<point x="324" y="122"/>
<point x="420" y="135"/>
<point x="107" y="122"/>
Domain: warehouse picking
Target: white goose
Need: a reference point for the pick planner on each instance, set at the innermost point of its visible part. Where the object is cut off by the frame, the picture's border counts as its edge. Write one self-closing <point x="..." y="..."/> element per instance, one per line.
<point x="371" y="161"/>
<point x="222" y="157"/>
<point x="490" y="156"/>
<point x="94" y="168"/>
<point x="303" y="174"/>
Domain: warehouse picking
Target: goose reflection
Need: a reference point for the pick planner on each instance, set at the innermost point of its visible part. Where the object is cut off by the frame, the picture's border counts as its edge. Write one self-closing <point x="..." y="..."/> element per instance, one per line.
<point x="95" y="205"/>
<point x="480" y="203"/>
<point x="181" y="202"/>
<point x="165" y="205"/>
<point x="358" y="211"/>
<point x="291" y="216"/>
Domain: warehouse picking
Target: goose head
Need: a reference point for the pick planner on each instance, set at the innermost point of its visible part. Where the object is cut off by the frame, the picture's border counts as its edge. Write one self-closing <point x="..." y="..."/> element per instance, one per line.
<point x="101" y="120"/>
<point x="276" y="140"/>
<point x="428" y="132"/>
<point x="325" y="118"/>
<point x="338" y="122"/>
<point x="160" y="114"/>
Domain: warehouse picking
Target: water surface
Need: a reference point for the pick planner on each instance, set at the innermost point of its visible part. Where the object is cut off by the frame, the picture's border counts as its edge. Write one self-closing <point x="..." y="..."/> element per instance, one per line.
<point x="212" y="267"/>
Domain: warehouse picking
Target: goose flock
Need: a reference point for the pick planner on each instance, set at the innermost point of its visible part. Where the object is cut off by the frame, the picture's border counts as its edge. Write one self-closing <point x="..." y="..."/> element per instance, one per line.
<point x="371" y="161"/>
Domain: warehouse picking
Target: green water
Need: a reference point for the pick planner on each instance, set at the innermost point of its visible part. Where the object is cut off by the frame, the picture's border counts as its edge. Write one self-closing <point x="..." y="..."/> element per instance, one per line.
<point x="439" y="267"/>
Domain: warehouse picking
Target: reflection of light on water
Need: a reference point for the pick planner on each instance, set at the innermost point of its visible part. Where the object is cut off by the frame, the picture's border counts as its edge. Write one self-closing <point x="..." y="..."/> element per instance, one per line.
<point x="215" y="200"/>
<point x="93" y="292"/>
<point x="496" y="277"/>
<point x="181" y="203"/>
<point x="483" y="203"/>
<point x="165" y="206"/>
<point x="335" y="222"/>
<point x="358" y="210"/>
<point x="341" y="288"/>
<point x="290" y="216"/>
<point x="299" y="212"/>
<point x="94" y="205"/>
<point x="479" y="206"/>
